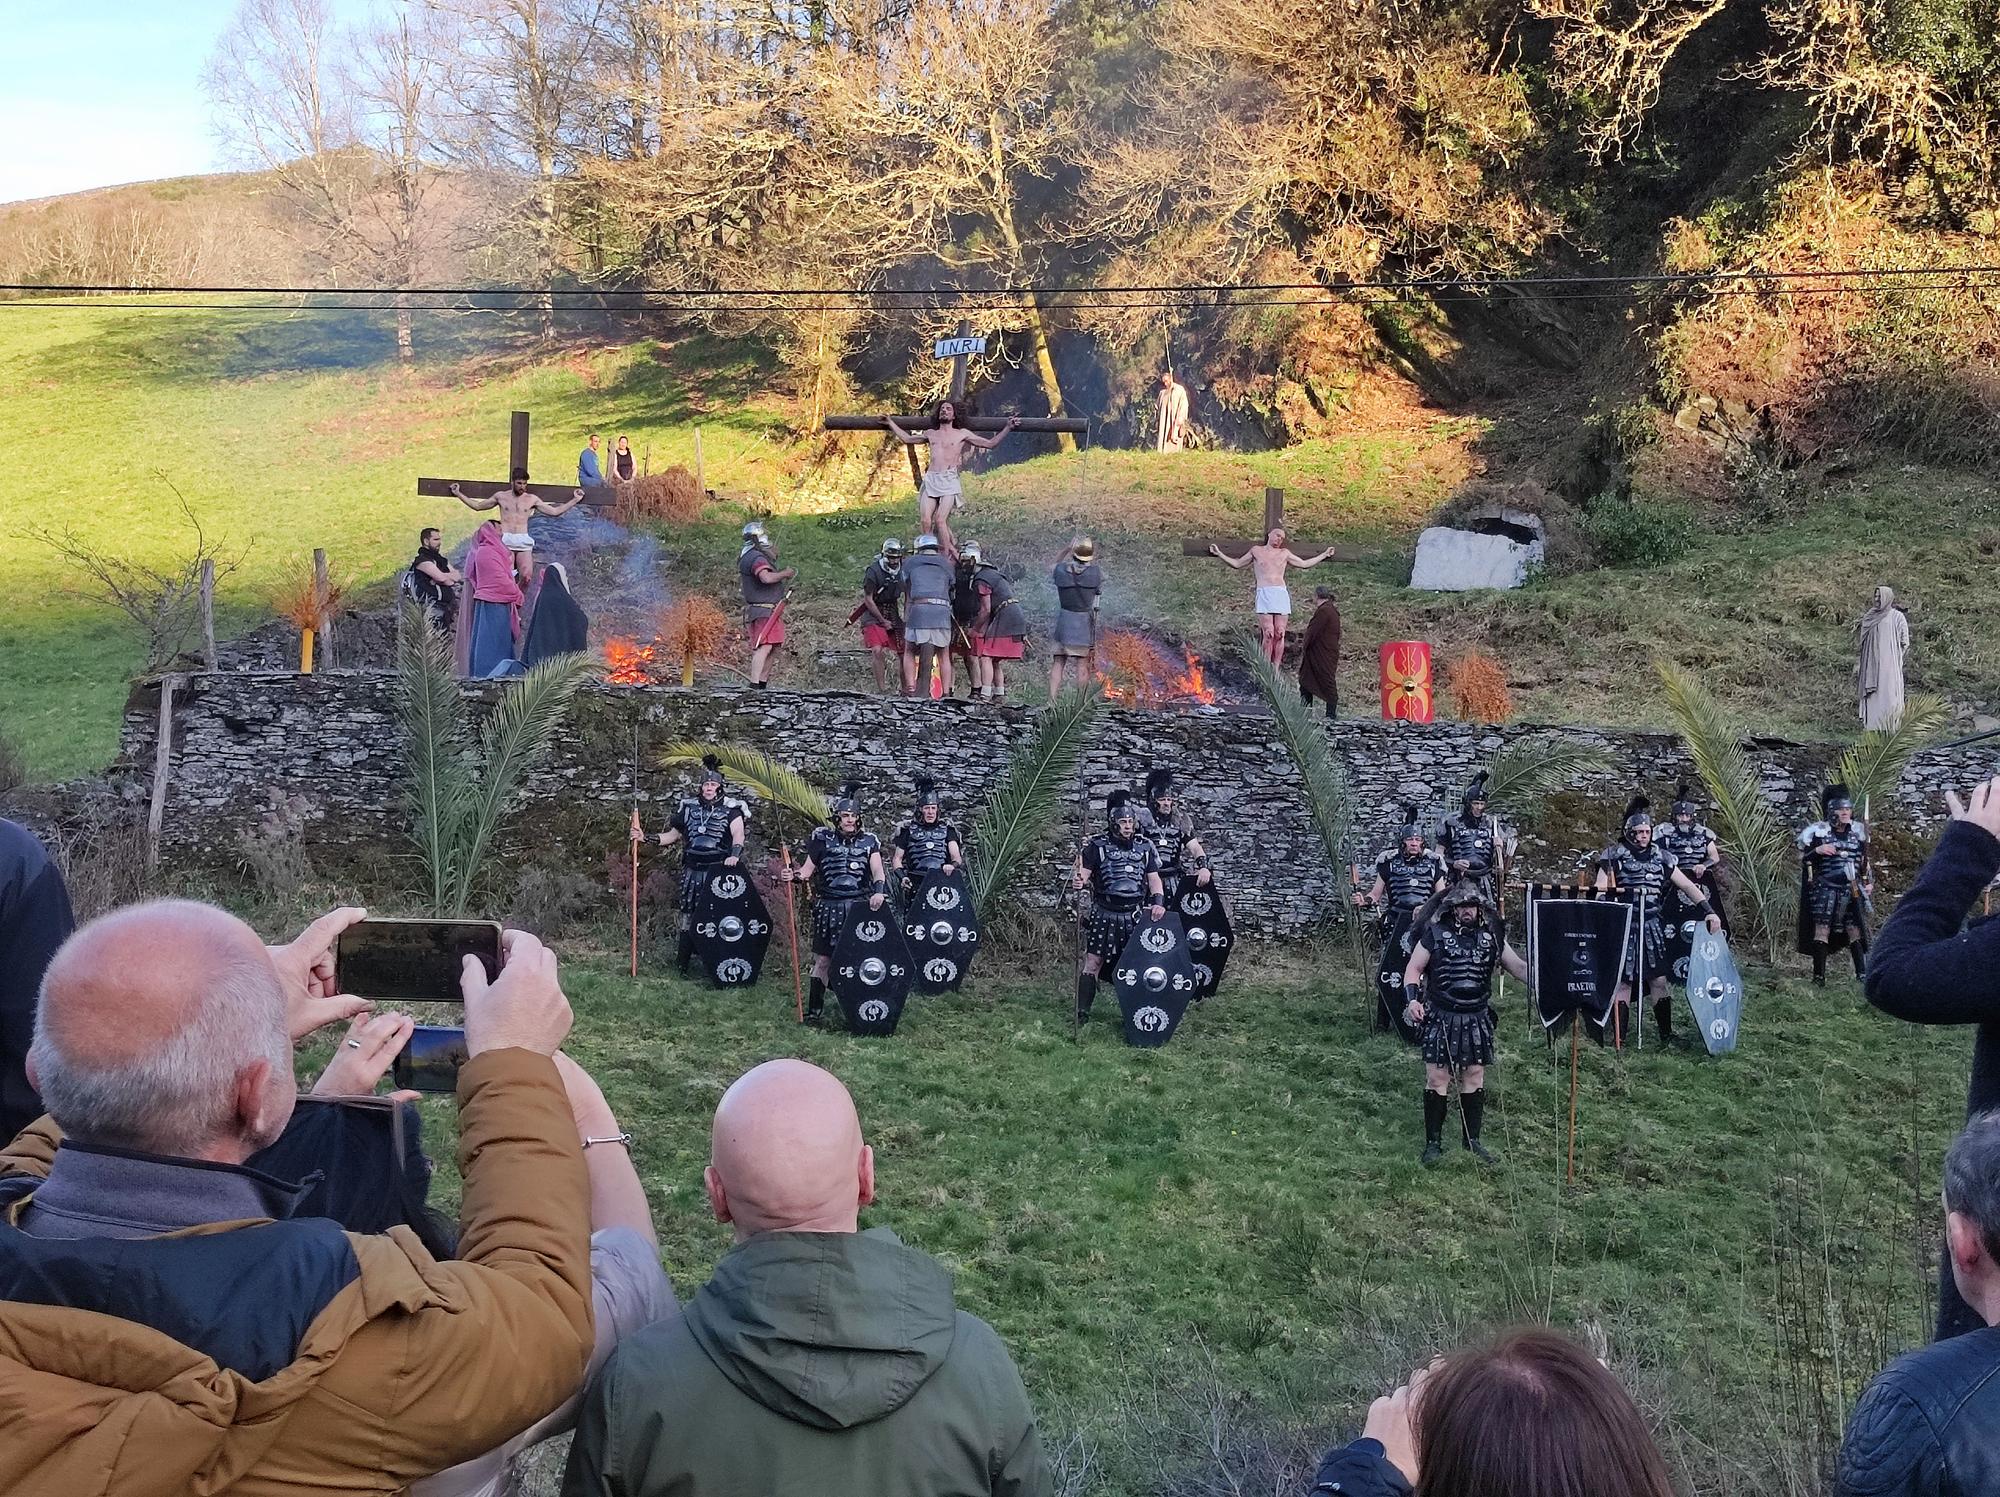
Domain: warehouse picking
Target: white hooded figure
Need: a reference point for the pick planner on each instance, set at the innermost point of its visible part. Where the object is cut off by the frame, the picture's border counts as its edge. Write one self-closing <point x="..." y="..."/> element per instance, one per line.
<point x="1878" y="674"/>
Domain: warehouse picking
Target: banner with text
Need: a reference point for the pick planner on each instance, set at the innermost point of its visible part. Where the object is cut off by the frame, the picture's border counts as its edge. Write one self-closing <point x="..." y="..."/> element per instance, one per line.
<point x="1576" y="942"/>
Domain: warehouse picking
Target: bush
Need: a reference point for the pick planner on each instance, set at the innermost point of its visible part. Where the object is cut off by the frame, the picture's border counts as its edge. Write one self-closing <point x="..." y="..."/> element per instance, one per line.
<point x="672" y="496"/>
<point x="273" y="853"/>
<point x="553" y="903"/>
<point x="1638" y="532"/>
<point x="1477" y="688"/>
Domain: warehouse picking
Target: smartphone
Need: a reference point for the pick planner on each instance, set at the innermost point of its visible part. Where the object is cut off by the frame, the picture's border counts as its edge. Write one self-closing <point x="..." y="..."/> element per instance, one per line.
<point x="413" y="961"/>
<point x="430" y="1061"/>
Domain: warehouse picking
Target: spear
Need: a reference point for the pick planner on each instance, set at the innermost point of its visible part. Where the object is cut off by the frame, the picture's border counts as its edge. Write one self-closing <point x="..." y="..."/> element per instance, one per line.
<point x="792" y="931"/>
<point x="637" y="833"/>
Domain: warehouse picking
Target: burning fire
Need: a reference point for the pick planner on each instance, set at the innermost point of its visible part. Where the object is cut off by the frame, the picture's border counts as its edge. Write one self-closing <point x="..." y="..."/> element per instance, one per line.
<point x="1140" y="673"/>
<point x="629" y="662"/>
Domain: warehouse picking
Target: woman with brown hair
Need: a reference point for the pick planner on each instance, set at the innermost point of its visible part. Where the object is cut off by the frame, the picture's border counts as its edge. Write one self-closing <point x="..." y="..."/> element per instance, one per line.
<point x="1532" y="1415"/>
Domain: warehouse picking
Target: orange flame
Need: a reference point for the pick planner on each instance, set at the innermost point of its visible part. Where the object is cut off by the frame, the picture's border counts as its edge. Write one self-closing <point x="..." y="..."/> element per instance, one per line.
<point x="1140" y="673"/>
<point x="629" y="662"/>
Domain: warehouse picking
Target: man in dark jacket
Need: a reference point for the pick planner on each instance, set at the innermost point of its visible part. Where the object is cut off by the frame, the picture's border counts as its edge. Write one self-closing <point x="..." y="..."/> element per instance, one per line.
<point x="1928" y="967"/>
<point x="820" y="1358"/>
<point x="35" y="919"/>
<point x="1929" y="1425"/>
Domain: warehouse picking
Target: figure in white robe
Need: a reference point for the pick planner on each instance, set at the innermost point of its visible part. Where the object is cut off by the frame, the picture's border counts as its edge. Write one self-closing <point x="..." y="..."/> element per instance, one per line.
<point x="1878" y="674"/>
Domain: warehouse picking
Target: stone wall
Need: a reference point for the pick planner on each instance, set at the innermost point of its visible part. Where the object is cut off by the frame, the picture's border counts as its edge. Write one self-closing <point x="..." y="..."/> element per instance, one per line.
<point x="331" y="738"/>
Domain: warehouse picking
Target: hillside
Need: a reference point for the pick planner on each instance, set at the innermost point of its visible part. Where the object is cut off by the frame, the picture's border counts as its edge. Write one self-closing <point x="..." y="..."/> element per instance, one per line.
<point x="286" y="433"/>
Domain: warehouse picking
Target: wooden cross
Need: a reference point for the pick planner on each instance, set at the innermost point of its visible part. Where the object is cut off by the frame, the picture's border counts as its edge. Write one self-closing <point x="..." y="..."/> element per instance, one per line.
<point x="517" y="457"/>
<point x="1274" y="519"/>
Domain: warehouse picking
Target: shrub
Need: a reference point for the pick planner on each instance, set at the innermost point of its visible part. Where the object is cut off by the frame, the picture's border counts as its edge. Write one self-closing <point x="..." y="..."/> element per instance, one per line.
<point x="553" y="903"/>
<point x="1638" y="532"/>
<point x="672" y="496"/>
<point x="273" y="853"/>
<point x="13" y="766"/>
<point x="1477" y="687"/>
<point x="692" y="630"/>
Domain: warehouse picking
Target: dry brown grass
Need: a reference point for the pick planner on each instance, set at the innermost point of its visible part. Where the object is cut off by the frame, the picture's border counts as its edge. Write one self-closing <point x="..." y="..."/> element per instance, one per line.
<point x="300" y="603"/>
<point x="692" y="630"/>
<point x="672" y="495"/>
<point x="1477" y="688"/>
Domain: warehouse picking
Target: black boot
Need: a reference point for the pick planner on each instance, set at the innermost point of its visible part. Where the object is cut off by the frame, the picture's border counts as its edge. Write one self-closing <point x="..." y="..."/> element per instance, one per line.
<point x="1819" y="964"/>
<point x="684" y="952"/>
<point x="1434" y="1110"/>
<point x="1086" y="994"/>
<point x="1663" y="1020"/>
<point x="816" y="1003"/>
<point x="1472" y="1108"/>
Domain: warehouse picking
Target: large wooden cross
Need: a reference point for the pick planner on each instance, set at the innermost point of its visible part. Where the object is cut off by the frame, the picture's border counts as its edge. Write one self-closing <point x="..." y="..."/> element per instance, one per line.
<point x="517" y="457"/>
<point x="1274" y="518"/>
<point x="1070" y="424"/>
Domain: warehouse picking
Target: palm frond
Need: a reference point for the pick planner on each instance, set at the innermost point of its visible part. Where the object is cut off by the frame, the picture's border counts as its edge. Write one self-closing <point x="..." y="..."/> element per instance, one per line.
<point x="1874" y="763"/>
<point x="769" y="779"/>
<point x="1018" y="814"/>
<point x="517" y="736"/>
<point x="431" y="723"/>
<point x="1328" y="798"/>
<point x="1530" y="769"/>
<point x="1761" y="852"/>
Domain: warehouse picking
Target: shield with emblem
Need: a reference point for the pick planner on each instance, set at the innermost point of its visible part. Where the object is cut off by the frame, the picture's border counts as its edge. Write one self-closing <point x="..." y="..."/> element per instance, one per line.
<point x="732" y="927"/>
<point x="1682" y="924"/>
<point x="1210" y="937"/>
<point x="1715" y="991"/>
<point x="1398" y="941"/>
<point x="943" y="931"/>
<point x="871" y="970"/>
<point x="1155" y="979"/>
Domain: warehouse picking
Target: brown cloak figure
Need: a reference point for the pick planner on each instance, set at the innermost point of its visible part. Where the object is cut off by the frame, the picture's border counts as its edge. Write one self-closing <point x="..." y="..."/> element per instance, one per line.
<point x="1319" y="659"/>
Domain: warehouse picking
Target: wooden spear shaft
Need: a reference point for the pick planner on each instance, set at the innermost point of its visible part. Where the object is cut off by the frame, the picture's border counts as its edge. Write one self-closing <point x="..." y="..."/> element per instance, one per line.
<point x="792" y="932"/>
<point x="1575" y="1041"/>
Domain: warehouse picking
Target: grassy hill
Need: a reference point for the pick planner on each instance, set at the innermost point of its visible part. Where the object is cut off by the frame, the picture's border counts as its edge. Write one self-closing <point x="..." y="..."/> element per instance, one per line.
<point x="290" y="432"/>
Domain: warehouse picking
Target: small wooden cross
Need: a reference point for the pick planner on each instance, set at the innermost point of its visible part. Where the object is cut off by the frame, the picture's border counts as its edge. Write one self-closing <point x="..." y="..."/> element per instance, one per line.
<point x="517" y="457"/>
<point x="1274" y="518"/>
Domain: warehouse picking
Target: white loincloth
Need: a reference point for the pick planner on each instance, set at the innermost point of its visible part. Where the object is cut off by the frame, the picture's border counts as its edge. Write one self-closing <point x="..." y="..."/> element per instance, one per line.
<point x="1274" y="600"/>
<point x="515" y="540"/>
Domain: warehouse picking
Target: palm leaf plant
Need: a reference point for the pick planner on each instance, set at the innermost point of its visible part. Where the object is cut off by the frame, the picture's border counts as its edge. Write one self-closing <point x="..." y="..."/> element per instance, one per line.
<point x="1018" y="814"/>
<point x="1329" y="800"/>
<point x="769" y="779"/>
<point x="1874" y="763"/>
<point x="1529" y="770"/>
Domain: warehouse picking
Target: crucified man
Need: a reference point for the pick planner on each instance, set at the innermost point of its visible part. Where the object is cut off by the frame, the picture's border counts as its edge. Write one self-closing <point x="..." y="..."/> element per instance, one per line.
<point x="940" y="493"/>
<point x="1274" y="599"/>
<point x="516" y="504"/>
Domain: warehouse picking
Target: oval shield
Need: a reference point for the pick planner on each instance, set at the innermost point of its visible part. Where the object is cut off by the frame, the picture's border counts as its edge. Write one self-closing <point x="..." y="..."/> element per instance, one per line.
<point x="1155" y="979"/>
<point x="732" y="927"/>
<point x="943" y="931"/>
<point x="1210" y="935"/>
<point x="871" y="971"/>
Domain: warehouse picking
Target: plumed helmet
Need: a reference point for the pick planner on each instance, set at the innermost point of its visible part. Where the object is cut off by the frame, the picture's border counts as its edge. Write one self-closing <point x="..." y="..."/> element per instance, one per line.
<point x="1466" y="891"/>
<point x="1118" y="807"/>
<point x="927" y="542"/>
<point x="893" y="549"/>
<point x="1475" y="793"/>
<point x="1836" y="798"/>
<point x="1638" y="814"/>
<point x="754" y="531"/>
<point x="1083" y="548"/>
<point x="711" y="771"/>
<point x="1411" y="827"/>
<point x="970" y="553"/>
<point x="847" y="800"/>
<point x="1683" y="800"/>
<point x="927" y="792"/>
<point x="1159" y="784"/>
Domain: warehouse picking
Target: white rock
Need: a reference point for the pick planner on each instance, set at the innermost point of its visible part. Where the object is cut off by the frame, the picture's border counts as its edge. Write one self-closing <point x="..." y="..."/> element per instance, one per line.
<point x="1456" y="561"/>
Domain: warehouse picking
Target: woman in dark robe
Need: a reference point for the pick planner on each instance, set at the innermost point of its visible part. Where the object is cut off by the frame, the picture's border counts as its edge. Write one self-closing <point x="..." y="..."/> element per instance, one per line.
<point x="1319" y="659"/>
<point x="556" y="625"/>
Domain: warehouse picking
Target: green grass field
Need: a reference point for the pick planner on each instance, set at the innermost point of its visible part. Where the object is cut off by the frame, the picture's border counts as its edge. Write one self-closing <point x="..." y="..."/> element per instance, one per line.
<point x="1213" y="1255"/>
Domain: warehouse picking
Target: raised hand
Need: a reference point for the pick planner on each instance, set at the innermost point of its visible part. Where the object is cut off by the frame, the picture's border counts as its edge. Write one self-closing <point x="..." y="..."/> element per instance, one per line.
<point x="1981" y="806"/>
<point x="366" y="1052"/>
<point x="305" y="968"/>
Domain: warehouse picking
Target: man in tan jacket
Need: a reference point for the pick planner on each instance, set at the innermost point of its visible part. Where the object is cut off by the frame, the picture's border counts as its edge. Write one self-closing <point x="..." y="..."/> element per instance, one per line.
<point x="166" y="1327"/>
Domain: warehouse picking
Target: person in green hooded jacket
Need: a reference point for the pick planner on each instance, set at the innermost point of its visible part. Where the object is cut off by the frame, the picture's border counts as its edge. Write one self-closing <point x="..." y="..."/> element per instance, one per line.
<point x="820" y="1358"/>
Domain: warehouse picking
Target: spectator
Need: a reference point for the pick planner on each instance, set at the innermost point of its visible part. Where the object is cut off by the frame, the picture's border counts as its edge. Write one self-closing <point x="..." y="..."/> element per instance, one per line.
<point x="624" y="468"/>
<point x="820" y="1358"/>
<point x="1928" y="967"/>
<point x="589" y="466"/>
<point x="152" y="1286"/>
<point x="433" y="582"/>
<point x="1533" y="1415"/>
<point x="1929" y="1425"/>
<point x="34" y="920"/>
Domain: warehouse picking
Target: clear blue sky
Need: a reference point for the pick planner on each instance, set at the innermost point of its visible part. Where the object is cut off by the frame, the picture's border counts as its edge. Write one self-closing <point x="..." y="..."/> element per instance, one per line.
<point x="95" y="92"/>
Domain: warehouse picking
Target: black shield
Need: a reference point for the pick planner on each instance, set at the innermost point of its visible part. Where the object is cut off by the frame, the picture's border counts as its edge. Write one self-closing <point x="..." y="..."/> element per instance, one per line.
<point x="732" y="927"/>
<point x="1155" y="979"/>
<point x="943" y="931"/>
<point x="1681" y="923"/>
<point x="871" y="970"/>
<point x="1210" y="936"/>
<point x="1399" y="938"/>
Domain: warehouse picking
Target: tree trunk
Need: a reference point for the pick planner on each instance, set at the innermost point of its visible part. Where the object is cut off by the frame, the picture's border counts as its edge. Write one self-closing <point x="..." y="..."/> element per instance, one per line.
<point x="1045" y="365"/>
<point x="404" y="351"/>
<point x="1038" y="331"/>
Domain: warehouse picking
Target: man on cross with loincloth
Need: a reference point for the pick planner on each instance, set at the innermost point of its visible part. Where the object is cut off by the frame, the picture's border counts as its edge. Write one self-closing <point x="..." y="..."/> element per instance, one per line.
<point x="941" y="493"/>
<point x="1122" y="870"/>
<point x="1274" y="599"/>
<point x="516" y="504"/>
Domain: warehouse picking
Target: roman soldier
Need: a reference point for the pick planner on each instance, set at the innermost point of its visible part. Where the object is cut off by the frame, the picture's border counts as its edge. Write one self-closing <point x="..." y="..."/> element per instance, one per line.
<point x="881" y="615"/>
<point x="1079" y="584"/>
<point x="1407" y="877"/>
<point x="927" y="616"/>
<point x="1693" y="848"/>
<point x="709" y="826"/>
<point x="1448" y="990"/>
<point x="1472" y="843"/>
<point x="764" y="595"/>
<point x="926" y="843"/>
<point x="1835" y="884"/>
<point x="999" y="629"/>
<point x="1170" y="829"/>
<point x="1637" y="863"/>
<point x="844" y="865"/>
<point x="1122" y="871"/>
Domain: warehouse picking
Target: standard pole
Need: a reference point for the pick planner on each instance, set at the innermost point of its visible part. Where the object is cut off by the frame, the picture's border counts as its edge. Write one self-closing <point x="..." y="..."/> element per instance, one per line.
<point x="1575" y="1040"/>
<point x="636" y="834"/>
<point x="792" y="933"/>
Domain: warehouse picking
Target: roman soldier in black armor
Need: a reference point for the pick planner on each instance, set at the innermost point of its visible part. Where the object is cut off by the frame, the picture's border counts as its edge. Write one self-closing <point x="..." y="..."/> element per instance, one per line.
<point x="1835" y="884"/>
<point x="1407" y="877"/>
<point x="1448" y="989"/>
<point x="1636" y="862"/>
<point x="1122" y="871"/>
<point x="926" y="843"/>
<point x="709" y="825"/>
<point x="844" y="865"/>
<point x="1693" y="848"/>
<point x="1472" y="843"/>
<point x="1163" y="823"/>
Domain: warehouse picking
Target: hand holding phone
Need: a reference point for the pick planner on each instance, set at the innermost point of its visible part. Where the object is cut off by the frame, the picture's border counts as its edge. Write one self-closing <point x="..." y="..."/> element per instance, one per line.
<point x="524" y="1008"/>
<point x="413" y="961"/>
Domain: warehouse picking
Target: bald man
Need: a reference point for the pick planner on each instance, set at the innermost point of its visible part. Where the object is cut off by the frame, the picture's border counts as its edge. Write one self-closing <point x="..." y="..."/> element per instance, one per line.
<point x="820" y="1358"/>
<point x="150" y="1281"/>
